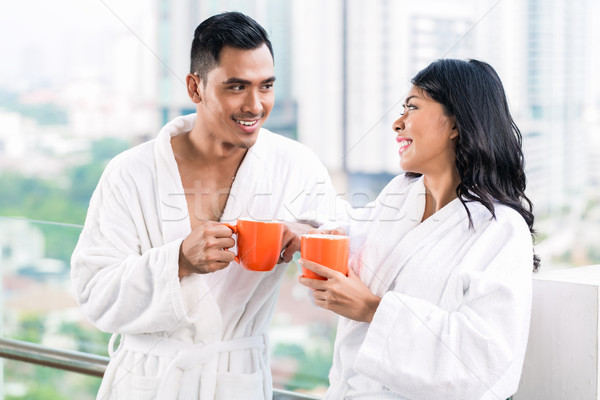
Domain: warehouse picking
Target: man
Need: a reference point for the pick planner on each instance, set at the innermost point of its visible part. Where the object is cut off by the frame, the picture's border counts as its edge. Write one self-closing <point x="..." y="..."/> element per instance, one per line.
<point x="152" y="262"/>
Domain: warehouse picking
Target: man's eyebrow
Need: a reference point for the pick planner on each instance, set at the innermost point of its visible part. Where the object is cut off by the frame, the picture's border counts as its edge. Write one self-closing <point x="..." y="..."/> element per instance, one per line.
<point x="245" y="81"/>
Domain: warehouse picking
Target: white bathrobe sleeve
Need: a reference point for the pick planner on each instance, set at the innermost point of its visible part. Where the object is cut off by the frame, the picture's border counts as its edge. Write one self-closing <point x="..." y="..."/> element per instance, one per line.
<point x="123" y="282"/>
<point x="425" y="351"/>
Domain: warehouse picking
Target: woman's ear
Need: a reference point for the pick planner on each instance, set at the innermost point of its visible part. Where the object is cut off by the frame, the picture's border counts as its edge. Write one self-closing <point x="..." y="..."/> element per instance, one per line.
<point x="454" y="130"/>
<point x="193" y="87"/>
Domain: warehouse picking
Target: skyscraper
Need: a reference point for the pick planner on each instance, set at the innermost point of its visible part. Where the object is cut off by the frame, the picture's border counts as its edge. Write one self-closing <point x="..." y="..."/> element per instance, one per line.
<point x="557" y="40"/>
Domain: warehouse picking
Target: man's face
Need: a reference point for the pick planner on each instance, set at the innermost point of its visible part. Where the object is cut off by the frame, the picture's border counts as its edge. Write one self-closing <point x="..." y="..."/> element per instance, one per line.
<point x="238" y="96"/>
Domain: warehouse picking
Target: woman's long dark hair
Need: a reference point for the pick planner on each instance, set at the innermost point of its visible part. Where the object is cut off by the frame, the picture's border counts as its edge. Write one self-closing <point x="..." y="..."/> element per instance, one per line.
<point x="489" y="157"/>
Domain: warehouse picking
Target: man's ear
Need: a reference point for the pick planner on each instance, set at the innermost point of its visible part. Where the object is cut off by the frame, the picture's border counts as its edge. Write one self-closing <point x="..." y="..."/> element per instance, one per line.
<point x="193" y="87"/>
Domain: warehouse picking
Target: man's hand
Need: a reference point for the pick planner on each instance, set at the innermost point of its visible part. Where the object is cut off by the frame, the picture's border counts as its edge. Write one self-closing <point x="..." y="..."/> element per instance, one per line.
<point x="205" y="249"/>
<point x="291" y="238"/>
<point x="290" y="243"/>
<point x="345" y="296"/>
<point x="334" y="231"/>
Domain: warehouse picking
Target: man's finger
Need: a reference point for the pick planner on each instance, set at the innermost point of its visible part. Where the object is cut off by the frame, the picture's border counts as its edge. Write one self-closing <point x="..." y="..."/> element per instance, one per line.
<point x="220" y="255"/>
<point x="224" y="243"/>
<point x="288" y="254"/>
<point x="222" y="231"/>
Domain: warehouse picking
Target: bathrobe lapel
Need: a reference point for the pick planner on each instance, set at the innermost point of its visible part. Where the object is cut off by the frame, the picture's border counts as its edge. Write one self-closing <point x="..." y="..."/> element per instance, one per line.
<point x="415" y="235"/>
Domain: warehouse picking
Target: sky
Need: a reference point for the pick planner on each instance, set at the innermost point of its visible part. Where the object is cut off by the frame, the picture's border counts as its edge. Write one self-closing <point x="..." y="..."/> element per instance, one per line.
<point x="45" y="42"/>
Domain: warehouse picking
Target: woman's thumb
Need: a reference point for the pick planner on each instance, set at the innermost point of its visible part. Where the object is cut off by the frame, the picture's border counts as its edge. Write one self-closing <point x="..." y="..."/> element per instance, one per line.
<point x="351" y="273"/>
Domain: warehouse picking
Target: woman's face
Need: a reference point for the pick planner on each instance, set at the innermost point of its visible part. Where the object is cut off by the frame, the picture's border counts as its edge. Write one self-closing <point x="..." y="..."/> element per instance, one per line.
<point x="426" y="135"/>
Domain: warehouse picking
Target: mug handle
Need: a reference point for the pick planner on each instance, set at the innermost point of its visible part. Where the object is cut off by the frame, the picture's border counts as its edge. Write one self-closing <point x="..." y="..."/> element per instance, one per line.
<point x="236" y="231"/>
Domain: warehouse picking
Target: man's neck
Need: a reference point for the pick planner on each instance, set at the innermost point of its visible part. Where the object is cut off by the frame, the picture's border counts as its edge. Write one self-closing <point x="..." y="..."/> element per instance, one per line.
<point x="203" y="151"/>
<point x="206" y="175"/>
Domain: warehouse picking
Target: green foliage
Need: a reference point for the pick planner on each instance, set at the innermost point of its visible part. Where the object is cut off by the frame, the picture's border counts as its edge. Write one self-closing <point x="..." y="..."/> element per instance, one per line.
<point x="313" y="368"/>
<point x="107" y="148"/>
<point x="44" y="383"/>
<point x="594" y="255"/>
<point x="88" y="340"/>
<point x="43" y="114"/>
<point x="31" y="328"/>
<point x="50" y="200"/>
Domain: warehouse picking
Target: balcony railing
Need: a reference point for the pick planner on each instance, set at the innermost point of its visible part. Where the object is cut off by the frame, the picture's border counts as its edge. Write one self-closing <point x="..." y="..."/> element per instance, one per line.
<point x="36" y="307"/>
<point x="84" y="363"/>
<point x="562" y="360"/>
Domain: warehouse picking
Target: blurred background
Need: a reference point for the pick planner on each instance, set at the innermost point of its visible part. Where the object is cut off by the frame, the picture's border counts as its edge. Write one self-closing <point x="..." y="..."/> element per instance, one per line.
<point x="83" y="80"/>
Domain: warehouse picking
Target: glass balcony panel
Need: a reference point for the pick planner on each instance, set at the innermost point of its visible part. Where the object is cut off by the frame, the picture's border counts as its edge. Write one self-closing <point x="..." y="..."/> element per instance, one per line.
<point x="25" y="381"/>
<point x="38" y="307"/>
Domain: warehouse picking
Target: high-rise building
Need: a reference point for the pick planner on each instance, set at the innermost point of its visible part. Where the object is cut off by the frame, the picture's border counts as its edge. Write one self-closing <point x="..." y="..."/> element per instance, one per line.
<point x="317" y="68"/>
<point x="592" y="111"/>
<point x="342" y="78"/>
<point x="354" y="64"/>
<point x="558" y="36"/>
<point x="388" y="42"/>
<point x="176" y="21"/>
<point x="542" y="51"/>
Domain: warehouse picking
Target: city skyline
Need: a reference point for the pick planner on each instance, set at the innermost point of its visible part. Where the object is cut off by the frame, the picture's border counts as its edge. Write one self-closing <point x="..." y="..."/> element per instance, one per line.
<point x="77" y="73"/>
<point x="123" y="76"/>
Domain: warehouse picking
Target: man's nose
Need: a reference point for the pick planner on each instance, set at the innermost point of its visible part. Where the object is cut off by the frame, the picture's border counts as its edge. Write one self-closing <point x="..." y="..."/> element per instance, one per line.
<point x="252" y="103"/>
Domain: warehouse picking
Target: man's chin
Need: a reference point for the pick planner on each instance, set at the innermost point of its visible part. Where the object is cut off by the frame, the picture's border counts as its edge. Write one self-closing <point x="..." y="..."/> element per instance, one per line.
<point x="248" y="140"/>
<point x="242" y="143"/>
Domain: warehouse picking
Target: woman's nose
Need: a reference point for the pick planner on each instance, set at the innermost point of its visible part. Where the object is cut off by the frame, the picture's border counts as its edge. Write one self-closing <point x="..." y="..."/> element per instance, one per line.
<point x="398" y="124"/>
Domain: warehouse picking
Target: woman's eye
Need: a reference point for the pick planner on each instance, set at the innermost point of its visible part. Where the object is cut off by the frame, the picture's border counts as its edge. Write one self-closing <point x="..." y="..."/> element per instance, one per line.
<point x="407" y="107"/>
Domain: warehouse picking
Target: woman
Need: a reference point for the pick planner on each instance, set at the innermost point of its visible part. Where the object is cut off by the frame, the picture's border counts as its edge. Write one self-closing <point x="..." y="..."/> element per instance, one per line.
<point x="438" y="297"/>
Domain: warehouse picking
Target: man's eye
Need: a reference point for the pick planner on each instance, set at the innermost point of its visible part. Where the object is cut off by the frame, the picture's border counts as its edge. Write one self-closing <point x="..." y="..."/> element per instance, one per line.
<point x="268" y="86"/>
<point x="237" y="87"/>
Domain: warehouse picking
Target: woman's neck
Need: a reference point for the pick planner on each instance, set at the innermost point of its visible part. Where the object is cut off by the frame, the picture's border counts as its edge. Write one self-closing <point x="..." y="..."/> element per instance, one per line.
<point x="439" y="191"/>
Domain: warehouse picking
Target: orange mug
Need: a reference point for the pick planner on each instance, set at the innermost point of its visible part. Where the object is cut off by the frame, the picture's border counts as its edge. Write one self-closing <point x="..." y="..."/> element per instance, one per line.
<point x="328" y="250"/>
<point x="258" y="243"/>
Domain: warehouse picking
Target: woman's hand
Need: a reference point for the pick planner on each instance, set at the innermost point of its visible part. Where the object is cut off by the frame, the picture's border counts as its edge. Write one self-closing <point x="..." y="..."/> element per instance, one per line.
<point x="345" y="296"/>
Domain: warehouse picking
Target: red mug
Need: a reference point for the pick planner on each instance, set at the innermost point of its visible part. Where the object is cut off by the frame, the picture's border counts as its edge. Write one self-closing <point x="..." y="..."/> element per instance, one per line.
<point x="328" y="250"/>
<point x="258" y="243"/>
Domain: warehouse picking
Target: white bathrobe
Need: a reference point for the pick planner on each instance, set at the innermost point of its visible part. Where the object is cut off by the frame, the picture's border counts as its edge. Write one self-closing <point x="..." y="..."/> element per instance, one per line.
<point x="454" y="316"/>
<point x="206" y="336"/>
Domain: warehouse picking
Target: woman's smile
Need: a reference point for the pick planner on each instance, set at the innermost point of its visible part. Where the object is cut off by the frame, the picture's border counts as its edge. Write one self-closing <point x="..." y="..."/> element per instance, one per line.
<point x="404" y="143"/>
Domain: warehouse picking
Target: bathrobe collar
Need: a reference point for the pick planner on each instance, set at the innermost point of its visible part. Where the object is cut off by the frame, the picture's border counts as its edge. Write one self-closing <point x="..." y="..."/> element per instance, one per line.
<point x="173" y="205"/>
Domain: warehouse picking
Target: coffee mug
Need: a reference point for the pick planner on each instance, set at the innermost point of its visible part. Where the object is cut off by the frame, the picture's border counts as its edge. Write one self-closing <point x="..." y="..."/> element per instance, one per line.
<point x="258" y="243"/>
<point x="328" y="250"/>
